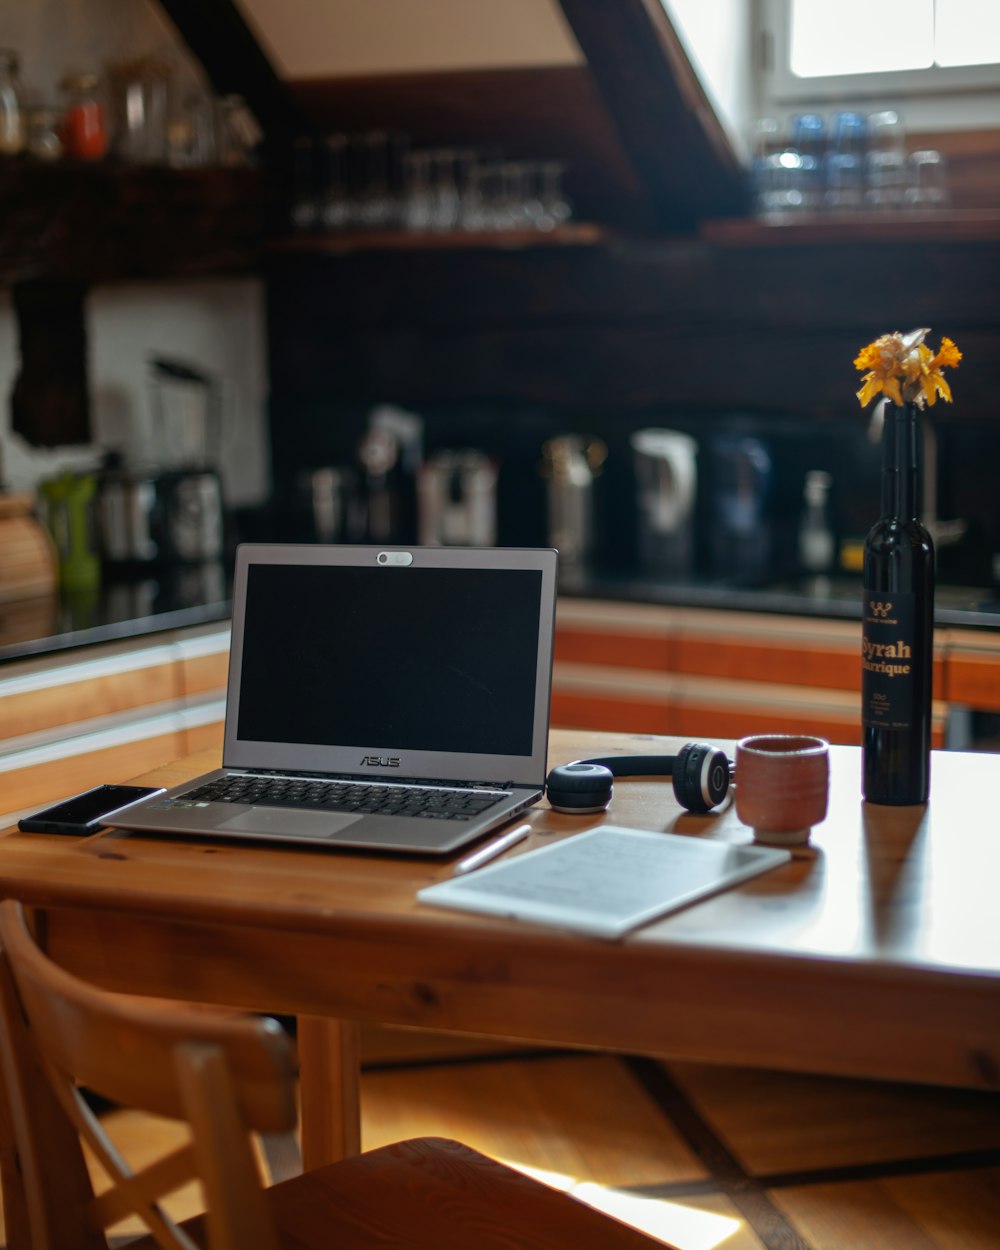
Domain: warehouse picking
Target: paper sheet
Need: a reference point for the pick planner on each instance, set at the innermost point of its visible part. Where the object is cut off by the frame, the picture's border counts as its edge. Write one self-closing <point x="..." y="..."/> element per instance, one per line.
<point x="605" y="881"/>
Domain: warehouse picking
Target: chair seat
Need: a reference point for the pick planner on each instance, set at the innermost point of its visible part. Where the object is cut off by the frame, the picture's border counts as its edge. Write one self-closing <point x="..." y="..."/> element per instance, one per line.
<point x="431" y="1194"/>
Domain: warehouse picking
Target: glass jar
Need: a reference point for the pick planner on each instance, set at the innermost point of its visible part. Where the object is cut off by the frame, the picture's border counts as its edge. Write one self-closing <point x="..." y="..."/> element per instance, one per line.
<point x="43" y="137"/>
<point x="139" y="96"/>
<point x="85" y="127"/>
<point x="238" y="132"/>
<point x="11" y="108"/>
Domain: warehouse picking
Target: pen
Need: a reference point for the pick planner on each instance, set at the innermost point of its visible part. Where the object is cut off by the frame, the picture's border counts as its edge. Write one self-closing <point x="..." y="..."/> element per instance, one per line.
<point x="491" y="850"/>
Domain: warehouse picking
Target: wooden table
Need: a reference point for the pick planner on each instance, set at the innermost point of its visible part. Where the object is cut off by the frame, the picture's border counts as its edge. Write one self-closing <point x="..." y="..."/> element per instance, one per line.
<point x="875" y="952"/>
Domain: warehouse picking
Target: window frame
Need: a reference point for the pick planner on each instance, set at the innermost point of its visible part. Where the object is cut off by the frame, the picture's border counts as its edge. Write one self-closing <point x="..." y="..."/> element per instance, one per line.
<point x="780" y="88"/>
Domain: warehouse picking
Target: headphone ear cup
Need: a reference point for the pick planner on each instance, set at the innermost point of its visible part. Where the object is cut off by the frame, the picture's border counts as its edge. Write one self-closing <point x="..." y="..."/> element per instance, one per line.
<point x="580" y="788"/>
<point x="701" y="776"/>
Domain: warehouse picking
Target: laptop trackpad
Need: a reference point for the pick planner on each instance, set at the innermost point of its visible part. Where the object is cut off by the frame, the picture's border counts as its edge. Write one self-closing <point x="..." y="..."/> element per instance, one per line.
<point x="301" y="824"/>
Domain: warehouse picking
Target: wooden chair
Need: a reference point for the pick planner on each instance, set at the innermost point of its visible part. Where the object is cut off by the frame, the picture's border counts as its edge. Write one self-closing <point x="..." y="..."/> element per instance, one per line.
<point x="228" y="1077"/>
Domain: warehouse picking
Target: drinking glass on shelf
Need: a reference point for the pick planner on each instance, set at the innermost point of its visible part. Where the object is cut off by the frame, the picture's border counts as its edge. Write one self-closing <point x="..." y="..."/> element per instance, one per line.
<point x="372" y="204"/>
<point x="780" y="176"/>
<point x="476" y="208"/>
<point x="927" y="185"/>
<point x="557" y="207"/>
<point x="885" y="172"/>
<point x="844" y="163"/>
<point x="765" y="141"/>
<point x="334" y="202"/>
<point x="809" y="141"/>
<point x="466" y="183"/>
<point x="444" y="190"/>
<point x="417" y="196"/>
<point x="536" y="216"/>
<point x="140" y="94"/>
<point x="304" y="210"/>
<point x="516" y="206"/>
<point x="783" y="186"/>
<point x="192" y="133"/>
<point x="494" y="192"/>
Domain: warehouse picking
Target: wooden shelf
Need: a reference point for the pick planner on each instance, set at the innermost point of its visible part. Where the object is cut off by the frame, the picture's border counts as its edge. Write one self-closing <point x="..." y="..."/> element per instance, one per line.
<point x="572" y="234"/>
<point x="811" y="229"/>
<point x="77" y="222"/>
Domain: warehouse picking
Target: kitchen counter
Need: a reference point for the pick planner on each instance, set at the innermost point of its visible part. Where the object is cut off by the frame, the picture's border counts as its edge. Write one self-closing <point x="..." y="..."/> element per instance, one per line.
<point x="836" y="597"/>
<point x="51" y="624"/>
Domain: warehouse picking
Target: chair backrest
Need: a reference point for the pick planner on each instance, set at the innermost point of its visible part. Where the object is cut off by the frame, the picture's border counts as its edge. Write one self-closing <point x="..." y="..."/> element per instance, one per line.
<point x="225" y="1076"/>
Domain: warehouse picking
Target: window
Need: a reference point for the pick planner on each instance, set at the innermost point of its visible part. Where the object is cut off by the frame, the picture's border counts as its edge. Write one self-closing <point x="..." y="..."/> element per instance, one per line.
<point x="939" y="59"/>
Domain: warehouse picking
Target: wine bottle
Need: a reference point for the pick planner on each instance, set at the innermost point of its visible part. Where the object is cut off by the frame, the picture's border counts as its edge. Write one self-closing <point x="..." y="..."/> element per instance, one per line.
<point x="898" y="627"/>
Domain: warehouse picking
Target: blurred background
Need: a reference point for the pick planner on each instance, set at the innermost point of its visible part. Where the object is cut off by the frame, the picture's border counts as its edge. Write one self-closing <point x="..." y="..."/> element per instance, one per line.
<point x="589" y="276"/>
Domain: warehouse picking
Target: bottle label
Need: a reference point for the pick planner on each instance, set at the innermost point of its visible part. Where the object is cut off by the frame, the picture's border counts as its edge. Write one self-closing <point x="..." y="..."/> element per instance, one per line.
<point x="888" y="662"/>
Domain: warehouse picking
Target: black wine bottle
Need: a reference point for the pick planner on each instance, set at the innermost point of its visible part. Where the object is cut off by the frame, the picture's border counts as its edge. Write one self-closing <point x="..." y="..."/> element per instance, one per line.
<point x="897" y="627"/>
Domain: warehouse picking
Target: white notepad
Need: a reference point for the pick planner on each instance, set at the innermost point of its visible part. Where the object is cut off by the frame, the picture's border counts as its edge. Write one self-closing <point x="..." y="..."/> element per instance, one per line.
<point x="605" y="881"/>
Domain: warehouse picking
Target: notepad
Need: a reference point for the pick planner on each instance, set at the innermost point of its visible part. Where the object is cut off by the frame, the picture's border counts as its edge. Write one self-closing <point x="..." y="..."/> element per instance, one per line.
<point x="606" y="881"/>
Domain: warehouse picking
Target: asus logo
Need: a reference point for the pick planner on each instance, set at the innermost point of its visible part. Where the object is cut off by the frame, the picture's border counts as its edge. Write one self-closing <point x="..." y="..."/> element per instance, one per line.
<point x="380" y="761"/>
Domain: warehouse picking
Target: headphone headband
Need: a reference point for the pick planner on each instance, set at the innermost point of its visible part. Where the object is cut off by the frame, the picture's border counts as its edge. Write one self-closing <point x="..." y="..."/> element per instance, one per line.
<point x="701" y="776"/>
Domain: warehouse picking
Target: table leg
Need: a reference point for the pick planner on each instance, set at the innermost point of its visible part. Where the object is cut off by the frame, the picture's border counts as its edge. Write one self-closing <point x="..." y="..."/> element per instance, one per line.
<point x="330" y="1068"/>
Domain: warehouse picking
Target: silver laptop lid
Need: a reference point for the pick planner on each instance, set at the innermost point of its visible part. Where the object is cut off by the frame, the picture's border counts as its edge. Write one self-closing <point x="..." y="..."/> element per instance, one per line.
<point x="424" y="662"/>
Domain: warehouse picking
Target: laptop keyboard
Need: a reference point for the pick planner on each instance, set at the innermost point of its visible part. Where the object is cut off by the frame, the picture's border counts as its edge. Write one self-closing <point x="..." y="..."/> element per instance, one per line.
<point x="346" y="796"/>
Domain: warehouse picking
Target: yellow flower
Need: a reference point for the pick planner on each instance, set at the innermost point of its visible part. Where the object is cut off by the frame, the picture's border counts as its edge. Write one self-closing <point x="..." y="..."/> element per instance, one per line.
<point x="948" y="355"/>
<point x="905" y="370"/>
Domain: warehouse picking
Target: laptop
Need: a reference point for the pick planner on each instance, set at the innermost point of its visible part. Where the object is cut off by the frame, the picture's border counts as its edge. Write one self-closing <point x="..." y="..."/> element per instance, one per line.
<point x="388" y="700"/>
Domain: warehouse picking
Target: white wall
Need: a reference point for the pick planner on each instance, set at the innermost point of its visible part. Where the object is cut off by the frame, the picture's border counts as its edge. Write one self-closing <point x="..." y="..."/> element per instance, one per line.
<point x="717" y="36"/>
<point x="217" y="325"/>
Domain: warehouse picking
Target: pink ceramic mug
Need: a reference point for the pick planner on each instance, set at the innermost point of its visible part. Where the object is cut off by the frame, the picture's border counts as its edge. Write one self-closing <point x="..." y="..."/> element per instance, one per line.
<point x="782" y="785"/>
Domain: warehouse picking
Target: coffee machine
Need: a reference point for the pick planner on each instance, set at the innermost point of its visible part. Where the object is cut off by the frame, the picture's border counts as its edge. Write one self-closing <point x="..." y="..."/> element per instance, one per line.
<point x="170" y="511"/>
<point x="666" y="473"/>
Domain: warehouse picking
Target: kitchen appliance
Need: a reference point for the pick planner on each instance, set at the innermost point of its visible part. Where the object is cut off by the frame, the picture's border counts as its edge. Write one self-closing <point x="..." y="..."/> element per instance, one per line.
<point x="68" y="505"/>
<point x="171" y="511"/>
<point x="457" y="504"/>
<point x="666" y="471"/>
<point x="187" y="418"/>
<point x="328" y="506"/>
<point x="149" y="518"/>
<point x="383" y="484"/>
<point x="740" y="531"/>
<point x="570" y="464"/>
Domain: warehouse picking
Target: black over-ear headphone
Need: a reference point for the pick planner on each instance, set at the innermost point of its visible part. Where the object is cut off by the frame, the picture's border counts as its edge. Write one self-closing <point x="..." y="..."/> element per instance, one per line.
<point x="701" y="777"/>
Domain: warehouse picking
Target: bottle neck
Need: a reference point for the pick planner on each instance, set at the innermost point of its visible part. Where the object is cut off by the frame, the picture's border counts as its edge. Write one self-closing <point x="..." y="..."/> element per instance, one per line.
<point x="900" y="485"/>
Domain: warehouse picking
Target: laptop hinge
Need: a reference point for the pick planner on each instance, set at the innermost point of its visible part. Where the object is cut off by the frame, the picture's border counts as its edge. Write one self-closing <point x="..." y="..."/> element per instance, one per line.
<point x="376" y="778"/>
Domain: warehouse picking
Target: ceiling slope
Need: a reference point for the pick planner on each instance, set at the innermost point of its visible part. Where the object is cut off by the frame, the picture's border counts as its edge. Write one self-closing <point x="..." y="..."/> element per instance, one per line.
<point x="646" y="149"/>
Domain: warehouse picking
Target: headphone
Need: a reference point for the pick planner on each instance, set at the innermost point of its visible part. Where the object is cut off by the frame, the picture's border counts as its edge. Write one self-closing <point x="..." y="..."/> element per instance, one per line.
<point x="701" y="777"/>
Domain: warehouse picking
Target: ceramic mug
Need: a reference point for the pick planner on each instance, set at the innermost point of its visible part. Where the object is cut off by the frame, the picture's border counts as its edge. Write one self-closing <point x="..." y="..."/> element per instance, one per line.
<point x="782" y="785"/>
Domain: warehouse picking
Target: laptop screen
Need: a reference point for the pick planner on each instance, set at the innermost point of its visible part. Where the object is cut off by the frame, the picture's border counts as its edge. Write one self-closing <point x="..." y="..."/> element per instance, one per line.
<point x="418" y="663"/>
<point x="425" y="659"/>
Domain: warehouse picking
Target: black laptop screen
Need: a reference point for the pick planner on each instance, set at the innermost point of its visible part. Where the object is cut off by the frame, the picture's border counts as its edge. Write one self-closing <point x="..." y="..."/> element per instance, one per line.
<point x="429" y="659"/>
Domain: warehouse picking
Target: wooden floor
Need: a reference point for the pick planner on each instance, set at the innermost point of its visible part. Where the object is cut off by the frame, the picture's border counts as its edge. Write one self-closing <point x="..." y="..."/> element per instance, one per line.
<point x="701" y="1156"/>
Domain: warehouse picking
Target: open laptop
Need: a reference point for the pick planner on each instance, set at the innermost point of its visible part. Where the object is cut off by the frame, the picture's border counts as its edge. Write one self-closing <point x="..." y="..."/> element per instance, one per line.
<point x="391" y="700"/>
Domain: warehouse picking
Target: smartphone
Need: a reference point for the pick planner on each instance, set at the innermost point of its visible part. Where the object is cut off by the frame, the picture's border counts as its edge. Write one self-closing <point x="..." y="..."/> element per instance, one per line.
<point x="84" y="813"/>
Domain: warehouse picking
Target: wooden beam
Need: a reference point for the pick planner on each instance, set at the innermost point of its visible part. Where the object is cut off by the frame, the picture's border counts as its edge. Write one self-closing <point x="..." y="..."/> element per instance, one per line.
<point x="664" y="120"/>
<point x="227" y="49"/>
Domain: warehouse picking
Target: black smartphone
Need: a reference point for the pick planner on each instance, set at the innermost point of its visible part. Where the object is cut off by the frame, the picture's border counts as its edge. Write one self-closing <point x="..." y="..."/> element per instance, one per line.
<point x="84" y="813"/>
